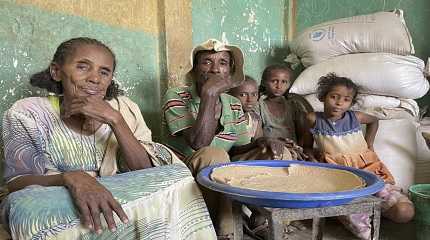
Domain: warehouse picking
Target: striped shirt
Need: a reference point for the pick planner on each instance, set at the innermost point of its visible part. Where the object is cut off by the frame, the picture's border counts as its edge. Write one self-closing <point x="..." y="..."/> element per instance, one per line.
<point x="181" y="106"/>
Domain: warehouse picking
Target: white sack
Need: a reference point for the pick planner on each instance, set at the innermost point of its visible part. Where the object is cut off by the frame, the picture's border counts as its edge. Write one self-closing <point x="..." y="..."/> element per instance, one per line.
<point x="378" y="32"/>
<point x="423" y="159"/>
<point x="396" y="146"/>
<point x="377" y="73"/>
<point x="381" y="107"/>
<point x="363" y="101"/>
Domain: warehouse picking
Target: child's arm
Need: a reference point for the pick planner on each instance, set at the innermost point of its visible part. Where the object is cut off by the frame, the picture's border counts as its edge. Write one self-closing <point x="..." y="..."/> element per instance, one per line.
<point x="302" y="108"/>
<point x="371" y="127"/>
<point x="259" y="127"/>
<point x="308" y="140"/>
<point x="275" y="146"/>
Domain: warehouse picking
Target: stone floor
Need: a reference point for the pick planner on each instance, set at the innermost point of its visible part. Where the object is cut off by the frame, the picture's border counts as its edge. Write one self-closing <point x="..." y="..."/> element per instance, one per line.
<point x="335" y="231"/>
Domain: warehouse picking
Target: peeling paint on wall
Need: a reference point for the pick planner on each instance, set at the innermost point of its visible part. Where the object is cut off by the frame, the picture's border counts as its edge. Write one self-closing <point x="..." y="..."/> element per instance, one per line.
<point x="131" y="14"/>
<point x="256" y="26"/>
<point x="29" y="37"/>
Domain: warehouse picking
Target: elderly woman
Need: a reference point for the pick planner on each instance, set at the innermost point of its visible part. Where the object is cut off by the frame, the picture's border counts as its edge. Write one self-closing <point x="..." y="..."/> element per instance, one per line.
<point x="86" y="131"/>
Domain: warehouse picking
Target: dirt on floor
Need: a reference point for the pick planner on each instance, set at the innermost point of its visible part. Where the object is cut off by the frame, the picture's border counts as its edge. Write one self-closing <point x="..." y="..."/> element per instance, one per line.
<point x="333" y="230"/>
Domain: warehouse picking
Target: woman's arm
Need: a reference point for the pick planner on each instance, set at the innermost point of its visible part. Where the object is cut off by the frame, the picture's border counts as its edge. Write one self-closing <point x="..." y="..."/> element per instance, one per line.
<point x="97" y="109"/>
<point x="134" y="153"/>
<point x="93" y="199"/>
<point x="89" y="196"/>
<point x="43" y="180"/>
<point x="372" y="125"/>
<point x="25" y="165"/>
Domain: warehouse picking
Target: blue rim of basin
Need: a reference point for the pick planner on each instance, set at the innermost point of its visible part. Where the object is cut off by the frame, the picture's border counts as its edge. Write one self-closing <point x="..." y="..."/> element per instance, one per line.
<point x="373" y="183"/>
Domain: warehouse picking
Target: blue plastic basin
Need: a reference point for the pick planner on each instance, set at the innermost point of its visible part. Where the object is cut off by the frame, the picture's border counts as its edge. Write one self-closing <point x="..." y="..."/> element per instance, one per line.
<point x="290" y="200"/>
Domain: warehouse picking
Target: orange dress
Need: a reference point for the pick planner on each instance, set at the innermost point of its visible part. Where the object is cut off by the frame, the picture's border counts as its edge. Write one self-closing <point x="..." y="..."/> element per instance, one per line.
<point x="342" y="142"/>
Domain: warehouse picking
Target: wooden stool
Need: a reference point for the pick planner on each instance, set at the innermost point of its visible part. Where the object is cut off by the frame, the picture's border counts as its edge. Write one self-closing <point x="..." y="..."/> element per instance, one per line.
<point x="368" y="205"/>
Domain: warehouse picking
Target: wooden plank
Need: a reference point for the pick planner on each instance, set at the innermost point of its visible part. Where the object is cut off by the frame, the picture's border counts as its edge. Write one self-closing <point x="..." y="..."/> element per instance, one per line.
<point x="178" y="41"/>
<point x="317" y="228"/>
<point x="368" y="205"/>
<point x="291" y="22"/>
<point x="237" y="220"/>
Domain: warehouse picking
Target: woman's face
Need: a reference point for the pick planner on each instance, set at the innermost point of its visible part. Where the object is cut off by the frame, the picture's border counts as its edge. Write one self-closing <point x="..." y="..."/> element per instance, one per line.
<point x="86" y="72"/>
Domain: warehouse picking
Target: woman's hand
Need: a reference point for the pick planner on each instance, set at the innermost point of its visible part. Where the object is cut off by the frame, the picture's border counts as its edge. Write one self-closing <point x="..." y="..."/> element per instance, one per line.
<point x="93" y="107"/>
<point x="92" y="198"/>
<point x="97" y="111"/>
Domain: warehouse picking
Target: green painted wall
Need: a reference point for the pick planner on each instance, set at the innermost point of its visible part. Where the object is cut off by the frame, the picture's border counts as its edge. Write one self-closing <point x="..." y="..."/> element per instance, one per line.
<point x="257" y="26"/>
<point x="30" y="35"/>
<point x="416" y="13"/>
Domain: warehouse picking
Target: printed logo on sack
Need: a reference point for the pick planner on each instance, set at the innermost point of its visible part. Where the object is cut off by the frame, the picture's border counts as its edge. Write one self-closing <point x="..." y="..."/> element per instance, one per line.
<point x="317" y="35"/>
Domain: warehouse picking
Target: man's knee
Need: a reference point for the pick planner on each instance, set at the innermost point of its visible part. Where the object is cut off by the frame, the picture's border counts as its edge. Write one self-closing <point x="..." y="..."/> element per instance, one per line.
<point x="213" y="155"/>
<point x="207" y="156"/>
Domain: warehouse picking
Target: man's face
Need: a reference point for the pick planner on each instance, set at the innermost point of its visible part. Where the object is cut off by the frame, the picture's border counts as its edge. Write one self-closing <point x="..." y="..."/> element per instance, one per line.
<point x="212" y="63"/>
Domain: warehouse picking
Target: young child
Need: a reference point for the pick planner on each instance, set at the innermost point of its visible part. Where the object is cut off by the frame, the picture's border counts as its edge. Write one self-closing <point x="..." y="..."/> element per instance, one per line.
<point x="337" y="133"/>
<point x="277" y="114"/>
<point x="247" y="93"/>
<point x="282" y="113"/>
<point x="277" y="148"/>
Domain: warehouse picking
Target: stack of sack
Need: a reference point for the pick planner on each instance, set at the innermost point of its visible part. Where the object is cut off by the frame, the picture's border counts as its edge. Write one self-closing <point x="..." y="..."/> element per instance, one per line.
<point x="376" y="52"/>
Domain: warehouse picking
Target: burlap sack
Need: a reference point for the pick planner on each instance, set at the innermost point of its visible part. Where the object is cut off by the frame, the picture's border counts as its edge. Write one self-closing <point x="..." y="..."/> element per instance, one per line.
<point x="378" y="32"/>
<point x="376" y="73"/>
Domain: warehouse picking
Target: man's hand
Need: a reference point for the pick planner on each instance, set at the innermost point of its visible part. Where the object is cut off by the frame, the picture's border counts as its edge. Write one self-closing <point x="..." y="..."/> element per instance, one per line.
<point x="92" y="198"/>
<point x="216" y="84"/>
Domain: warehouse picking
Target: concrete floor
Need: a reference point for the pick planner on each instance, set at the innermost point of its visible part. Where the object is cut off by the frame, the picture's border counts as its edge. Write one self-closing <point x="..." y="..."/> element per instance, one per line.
<point x="335" y="231"/>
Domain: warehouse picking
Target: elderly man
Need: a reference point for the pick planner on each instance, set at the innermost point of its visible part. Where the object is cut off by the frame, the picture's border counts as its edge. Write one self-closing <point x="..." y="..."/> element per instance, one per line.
<point x="204" y="123"/>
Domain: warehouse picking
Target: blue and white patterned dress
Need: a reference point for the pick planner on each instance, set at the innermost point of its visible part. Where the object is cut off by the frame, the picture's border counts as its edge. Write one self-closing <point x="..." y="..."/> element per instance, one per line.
<point x="162" y="202"/>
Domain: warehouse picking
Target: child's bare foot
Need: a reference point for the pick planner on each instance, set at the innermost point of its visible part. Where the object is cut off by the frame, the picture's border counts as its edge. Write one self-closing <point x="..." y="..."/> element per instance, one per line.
<point x="259" y="225"/>
<point x="295" y="226"/>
